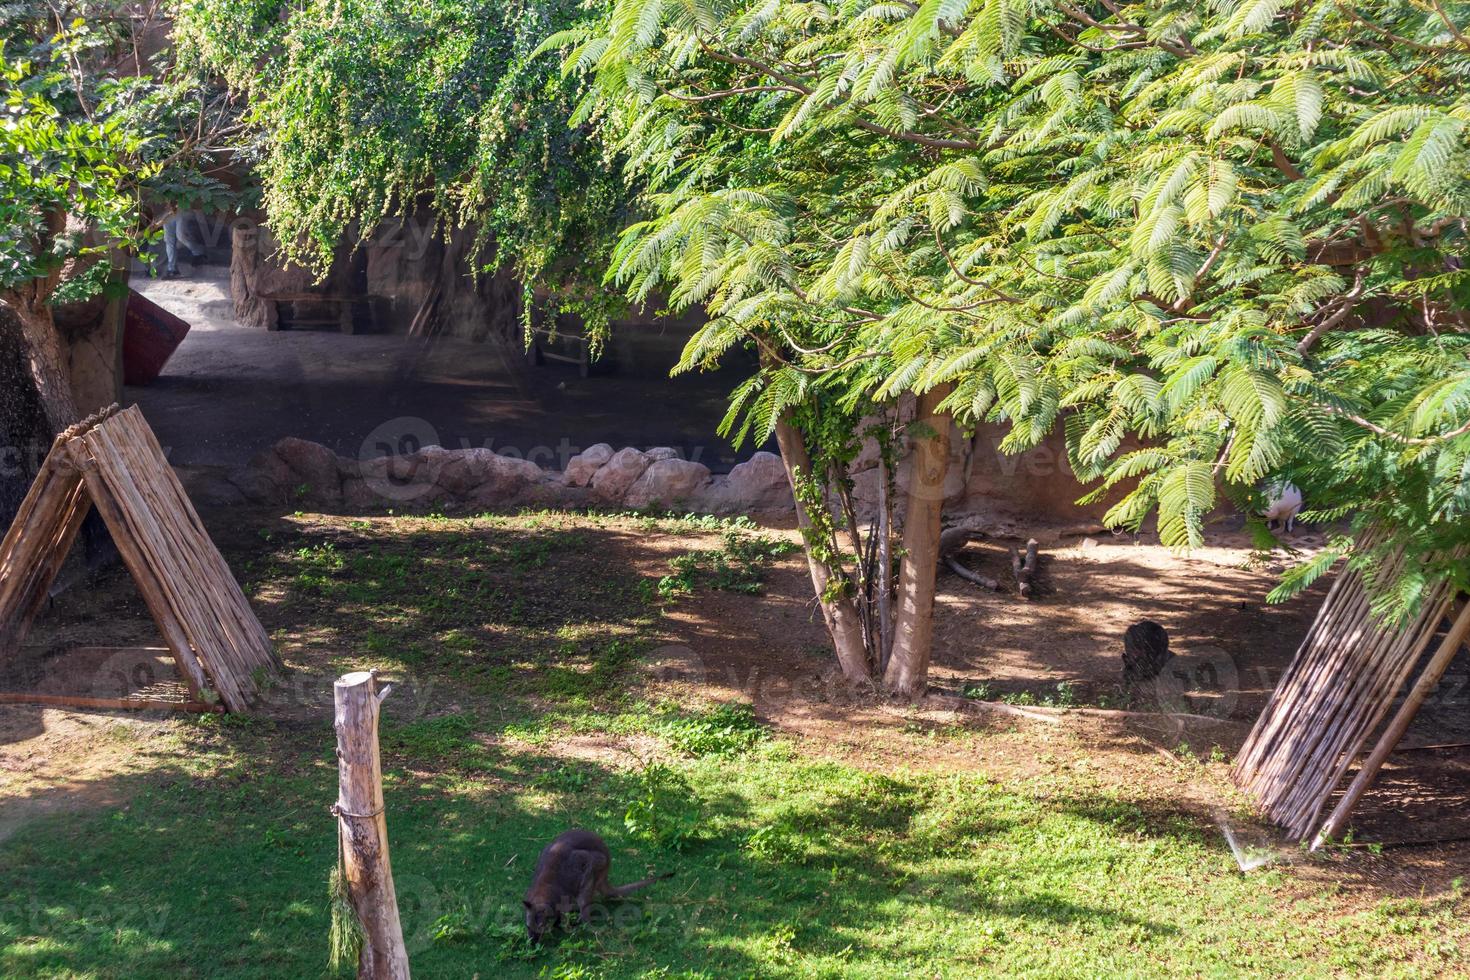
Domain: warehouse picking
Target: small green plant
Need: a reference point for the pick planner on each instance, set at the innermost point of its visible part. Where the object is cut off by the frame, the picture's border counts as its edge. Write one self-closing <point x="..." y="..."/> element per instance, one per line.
<point x="1065" y="696"/>
<point x="453" y="927"/>
<point x="665" y="809"/>
<point x="739" y="566"/>
<point x="775" y="844"/>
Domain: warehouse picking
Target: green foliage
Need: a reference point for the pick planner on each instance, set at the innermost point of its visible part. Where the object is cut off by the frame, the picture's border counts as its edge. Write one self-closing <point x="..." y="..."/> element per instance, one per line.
<point x="364" y="110"/>
<point x="665" y="809"/>
<point x="1219" y="244"/>
<point x="739" y="566"/>
<point x="730" y="729"/>
<point x="93" y="151"/>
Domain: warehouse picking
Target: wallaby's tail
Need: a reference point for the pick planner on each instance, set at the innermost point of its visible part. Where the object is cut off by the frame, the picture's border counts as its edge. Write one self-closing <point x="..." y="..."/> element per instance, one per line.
<point x="623" y="891"/>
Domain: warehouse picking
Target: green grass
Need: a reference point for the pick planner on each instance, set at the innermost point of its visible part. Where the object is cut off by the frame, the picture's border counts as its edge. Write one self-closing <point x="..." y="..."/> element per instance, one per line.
<point x="786" y="864"/>
<point x="788" y="867"/>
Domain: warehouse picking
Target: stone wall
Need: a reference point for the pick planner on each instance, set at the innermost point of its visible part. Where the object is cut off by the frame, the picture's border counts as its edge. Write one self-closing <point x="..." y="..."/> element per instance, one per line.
<point x="390" y="276"/>
<point x="1035" y="487"/>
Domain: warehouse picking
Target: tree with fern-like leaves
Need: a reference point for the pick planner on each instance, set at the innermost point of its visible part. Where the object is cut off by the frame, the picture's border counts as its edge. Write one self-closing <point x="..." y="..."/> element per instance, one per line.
<point x="1218" y="244"/>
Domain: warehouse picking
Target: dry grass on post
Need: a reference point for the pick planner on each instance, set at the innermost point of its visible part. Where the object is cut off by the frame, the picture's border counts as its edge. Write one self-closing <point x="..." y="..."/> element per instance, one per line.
<point x="364" y="872"/>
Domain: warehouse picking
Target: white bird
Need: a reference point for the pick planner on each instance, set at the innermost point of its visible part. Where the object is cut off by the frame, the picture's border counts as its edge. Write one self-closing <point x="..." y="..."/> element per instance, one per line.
<point x="1284" y="503"/>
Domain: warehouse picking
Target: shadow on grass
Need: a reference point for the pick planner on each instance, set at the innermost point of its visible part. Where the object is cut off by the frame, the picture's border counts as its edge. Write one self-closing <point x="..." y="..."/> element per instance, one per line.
<point x="217" y="865"/>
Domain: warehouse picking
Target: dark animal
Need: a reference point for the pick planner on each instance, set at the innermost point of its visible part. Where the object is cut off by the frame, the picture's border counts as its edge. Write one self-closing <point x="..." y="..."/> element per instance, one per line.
<point x="572" y="874"/>
<point x="1145" y="651"/>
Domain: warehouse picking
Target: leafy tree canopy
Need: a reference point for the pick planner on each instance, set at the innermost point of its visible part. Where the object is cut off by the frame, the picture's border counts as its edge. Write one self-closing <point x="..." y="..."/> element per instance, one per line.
<point x="362" y="108"/>
<point x="1219" y="243"/>
<point x="97" y="142"/>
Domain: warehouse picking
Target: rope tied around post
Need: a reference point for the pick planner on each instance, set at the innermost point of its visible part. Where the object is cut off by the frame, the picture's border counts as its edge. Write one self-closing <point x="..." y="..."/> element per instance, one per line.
<point x="339" y="811"/>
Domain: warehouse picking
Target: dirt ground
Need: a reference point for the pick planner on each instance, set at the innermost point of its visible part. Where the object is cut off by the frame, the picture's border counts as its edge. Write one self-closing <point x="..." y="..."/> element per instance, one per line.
<point x="772" y="651"/>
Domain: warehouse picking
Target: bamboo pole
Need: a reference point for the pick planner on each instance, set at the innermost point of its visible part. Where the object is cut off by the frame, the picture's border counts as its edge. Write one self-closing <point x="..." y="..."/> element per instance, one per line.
<point x="150" y="586"/>
<point x="1427" y="682"/>
<point x="363" y="828"/>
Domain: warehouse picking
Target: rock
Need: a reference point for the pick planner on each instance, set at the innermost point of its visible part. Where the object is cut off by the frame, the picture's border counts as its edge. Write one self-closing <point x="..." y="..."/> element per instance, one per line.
<point x="393" y="479"/>
<point x="357" y="496"/>
<point x="257" y="487"/>
<point x="668" y="481"/>
<point x="459" y="474"/>
<point x="583" y="466"/>
<point x="759" y="484"/>
<point x="501" y="479"/>
<point x="618" y="474"/>
<point x="212" y="488"/>
<point x="431" y="461"/>
<point x="553" y="495"/>
<point x="314" y="474"/>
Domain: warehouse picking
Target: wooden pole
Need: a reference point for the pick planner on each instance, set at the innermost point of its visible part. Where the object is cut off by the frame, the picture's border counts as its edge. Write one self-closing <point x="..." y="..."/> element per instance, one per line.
<point x="364" y="828"/>
<point x="1427" y="682"/>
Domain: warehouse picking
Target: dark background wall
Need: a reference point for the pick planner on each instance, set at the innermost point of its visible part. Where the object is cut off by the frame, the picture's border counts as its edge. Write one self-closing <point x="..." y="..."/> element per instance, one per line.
<point x="23" y="439"/>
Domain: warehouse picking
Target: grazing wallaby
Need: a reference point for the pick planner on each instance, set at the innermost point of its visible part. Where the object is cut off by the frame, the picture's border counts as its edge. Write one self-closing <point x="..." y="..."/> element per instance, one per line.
<point x="572" y="873"/>
<point x="1145" y="652"/>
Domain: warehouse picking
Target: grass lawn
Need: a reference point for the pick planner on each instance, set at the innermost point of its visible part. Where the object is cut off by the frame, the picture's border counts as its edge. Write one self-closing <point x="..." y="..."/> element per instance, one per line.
<point x="522" y="641"/>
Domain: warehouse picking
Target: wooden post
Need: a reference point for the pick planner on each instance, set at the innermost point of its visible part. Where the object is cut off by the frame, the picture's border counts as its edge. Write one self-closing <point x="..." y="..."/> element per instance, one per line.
<point x="1396" y="728"/>
<point x="364" y="828"/>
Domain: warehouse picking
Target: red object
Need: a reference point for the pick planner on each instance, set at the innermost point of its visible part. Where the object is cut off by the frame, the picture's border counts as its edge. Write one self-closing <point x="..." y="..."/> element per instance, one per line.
<point x="151" y="334"/>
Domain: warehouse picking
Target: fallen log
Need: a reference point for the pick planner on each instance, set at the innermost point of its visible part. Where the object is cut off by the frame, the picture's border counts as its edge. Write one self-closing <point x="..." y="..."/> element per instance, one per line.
<point x="1025" y="569"/>
<point x="984" y="581"/>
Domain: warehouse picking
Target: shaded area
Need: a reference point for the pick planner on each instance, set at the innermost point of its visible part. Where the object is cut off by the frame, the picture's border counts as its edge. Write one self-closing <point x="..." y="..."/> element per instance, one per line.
<point x="229" y="392"/>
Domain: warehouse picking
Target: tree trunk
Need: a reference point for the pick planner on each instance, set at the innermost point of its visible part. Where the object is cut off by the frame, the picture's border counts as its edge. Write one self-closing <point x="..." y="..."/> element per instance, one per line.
<point x="913" y="628"/>
<point x="840" y="612"/>
<point x="46" y="356"/>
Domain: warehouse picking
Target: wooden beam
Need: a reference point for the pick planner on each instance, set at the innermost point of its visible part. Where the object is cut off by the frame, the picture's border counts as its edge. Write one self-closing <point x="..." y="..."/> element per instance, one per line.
<point x="149" y="586"/>
<point x="111" y="704"/>
<point x="363" y="827"/>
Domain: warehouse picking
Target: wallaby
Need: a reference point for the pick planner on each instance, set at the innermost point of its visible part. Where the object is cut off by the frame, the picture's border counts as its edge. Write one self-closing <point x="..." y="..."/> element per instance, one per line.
<point x="572" y="873"/>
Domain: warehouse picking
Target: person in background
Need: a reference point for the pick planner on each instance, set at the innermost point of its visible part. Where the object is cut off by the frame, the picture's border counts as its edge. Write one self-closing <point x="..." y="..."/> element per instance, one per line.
<point x="173" y="237"/>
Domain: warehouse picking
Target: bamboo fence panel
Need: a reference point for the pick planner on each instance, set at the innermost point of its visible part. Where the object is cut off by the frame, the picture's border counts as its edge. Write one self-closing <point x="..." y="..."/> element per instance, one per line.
<point x="1335" y="694"/>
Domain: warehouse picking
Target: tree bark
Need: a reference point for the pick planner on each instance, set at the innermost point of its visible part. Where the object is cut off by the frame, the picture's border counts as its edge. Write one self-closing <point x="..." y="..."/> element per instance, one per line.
<point x="46" y="356"/>
<point x="913" y="628"/>
<point x="363" y="828"/>
<point x="840" y="612"/>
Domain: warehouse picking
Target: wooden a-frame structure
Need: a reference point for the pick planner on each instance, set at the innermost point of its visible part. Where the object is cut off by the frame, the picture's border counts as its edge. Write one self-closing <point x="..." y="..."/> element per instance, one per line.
<point x="112" y="461"/>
